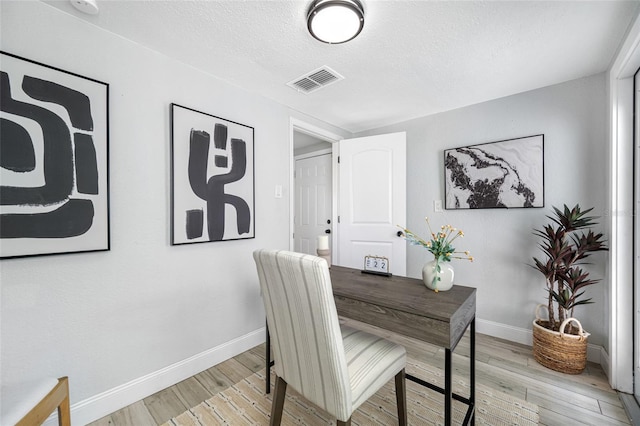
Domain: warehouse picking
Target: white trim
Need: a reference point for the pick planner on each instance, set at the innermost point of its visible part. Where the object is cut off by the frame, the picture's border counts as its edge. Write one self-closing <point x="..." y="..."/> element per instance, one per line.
<point x="317" y="153"/>
<point x="620" y="361"/>
<point x="525" y="337"/>
<point x="504" y="331"/>
<point x="107" y="402"/>
<point x="605" y="361"/>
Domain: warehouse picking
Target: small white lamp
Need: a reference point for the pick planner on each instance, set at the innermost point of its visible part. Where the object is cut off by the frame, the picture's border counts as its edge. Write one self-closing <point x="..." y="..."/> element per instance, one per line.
<point x="323" y="248"/>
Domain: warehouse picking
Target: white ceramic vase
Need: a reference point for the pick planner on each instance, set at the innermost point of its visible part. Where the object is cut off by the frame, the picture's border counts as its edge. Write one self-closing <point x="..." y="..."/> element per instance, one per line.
<point x="446" y="276"/>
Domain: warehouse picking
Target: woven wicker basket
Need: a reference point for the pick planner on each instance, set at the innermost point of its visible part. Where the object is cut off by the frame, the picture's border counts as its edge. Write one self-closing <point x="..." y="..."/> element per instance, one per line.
<point x="559" y="351"/>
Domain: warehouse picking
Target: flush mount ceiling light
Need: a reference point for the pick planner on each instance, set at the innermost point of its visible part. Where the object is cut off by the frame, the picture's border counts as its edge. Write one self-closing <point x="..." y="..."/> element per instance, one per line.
<point x="89" y="7"/>
<point x="335" y="21"/>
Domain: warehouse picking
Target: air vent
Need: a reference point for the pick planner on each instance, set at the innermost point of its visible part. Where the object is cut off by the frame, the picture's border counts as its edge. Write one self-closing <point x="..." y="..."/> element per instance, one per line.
<point x="315" y="80"/>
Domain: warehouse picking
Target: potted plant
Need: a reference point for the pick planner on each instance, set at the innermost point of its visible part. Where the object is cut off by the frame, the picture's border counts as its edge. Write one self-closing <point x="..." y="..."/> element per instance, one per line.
<point x="566" y="243"/>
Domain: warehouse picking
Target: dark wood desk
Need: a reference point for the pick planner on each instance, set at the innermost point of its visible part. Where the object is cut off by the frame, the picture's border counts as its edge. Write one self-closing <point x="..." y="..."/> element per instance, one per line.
<point x="405" y="306"/>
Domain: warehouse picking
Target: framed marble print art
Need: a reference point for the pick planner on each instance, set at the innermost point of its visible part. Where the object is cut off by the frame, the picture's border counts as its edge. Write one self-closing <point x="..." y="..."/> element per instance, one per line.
<point x="502" y="174"/>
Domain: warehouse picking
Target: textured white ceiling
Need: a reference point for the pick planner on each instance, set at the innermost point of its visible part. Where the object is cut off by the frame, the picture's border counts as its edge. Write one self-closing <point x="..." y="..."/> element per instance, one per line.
<point x="413" y="58"/>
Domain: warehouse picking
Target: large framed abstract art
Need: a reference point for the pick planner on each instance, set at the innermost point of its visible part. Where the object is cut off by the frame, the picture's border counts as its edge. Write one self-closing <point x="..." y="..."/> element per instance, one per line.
<point x="503" y="174"/>
<point x="54" y="160"/>
<point x="212" y="178"/>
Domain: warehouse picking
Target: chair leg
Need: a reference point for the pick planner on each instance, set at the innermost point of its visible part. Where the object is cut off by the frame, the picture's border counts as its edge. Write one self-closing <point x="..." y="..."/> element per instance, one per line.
<point x="278" y="402"/>
<point x="401" y="398"/>
<point x="64" y="410"/>
<point x="347" y="423"/>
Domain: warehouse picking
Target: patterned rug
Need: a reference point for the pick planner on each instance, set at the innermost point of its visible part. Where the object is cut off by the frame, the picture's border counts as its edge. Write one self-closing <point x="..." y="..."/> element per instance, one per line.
<point x="245" y="403"/>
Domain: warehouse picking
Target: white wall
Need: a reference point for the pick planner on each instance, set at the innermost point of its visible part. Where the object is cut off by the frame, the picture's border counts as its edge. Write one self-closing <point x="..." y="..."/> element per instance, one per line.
<point x="572" y="117"/>
<point x="122" y="323"/>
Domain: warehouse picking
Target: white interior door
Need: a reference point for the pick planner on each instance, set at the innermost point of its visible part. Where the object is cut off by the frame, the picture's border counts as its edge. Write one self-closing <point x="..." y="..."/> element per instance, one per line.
<point x="312" y="216"/>
<point x="372" y="200"/>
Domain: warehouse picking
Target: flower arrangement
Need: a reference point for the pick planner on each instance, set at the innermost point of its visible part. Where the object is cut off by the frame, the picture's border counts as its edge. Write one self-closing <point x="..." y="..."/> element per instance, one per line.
<point x="440" y="245"/>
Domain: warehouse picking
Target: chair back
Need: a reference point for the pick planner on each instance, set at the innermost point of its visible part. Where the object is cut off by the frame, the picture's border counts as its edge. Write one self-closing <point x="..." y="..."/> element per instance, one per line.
<point x="303" y="322"/>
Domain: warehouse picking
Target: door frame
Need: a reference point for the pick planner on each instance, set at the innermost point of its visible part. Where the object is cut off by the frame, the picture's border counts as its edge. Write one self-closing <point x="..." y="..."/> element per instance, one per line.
<point x="621" y="262"/>
<point x="301" y="126"/>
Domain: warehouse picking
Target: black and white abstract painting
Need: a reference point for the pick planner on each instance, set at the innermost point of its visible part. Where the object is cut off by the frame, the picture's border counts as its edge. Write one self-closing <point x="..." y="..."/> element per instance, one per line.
<point x="212" y="178"/>
<point x="54" y="195"/>
<point x="503" y="174"/>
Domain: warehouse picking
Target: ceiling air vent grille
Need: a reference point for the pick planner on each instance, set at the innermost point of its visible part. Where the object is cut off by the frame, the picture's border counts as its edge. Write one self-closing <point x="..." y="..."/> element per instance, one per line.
<point x="315" y="80"/>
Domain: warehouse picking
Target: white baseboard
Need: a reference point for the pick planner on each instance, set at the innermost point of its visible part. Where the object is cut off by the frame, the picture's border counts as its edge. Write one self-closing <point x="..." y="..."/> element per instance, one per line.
<point x="100" y="405"/>
<point x="525" y="336"/>
<point x="503" y="331"/>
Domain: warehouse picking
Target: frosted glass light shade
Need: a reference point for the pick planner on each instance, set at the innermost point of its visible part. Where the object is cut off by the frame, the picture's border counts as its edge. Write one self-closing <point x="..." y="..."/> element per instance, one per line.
<point x="335" y="21"/>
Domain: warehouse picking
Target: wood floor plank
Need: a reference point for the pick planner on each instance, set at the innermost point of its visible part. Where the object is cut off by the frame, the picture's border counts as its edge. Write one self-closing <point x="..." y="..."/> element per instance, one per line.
<point x="531" y="384"/>
<point x="565" y="381"/>
<point x="134" y="414"/>
<point x="213" y="380"/>
<point x="164" y="405"/>
<point x="551" y="418"/>
<point x="571" y="379"/>
<point x="258" y="351"/>
<point x="191" y="392"/>
<point x="234" y="370"/>
<point x="250" y="360"/>
<point x="104" y="421"/>
<point x="613" y="411"/>
<point x="560" y="406"/>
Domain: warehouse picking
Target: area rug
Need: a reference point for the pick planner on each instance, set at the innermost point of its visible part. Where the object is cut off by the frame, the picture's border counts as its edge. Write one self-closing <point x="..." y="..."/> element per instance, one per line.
<point x="246" y="403"/>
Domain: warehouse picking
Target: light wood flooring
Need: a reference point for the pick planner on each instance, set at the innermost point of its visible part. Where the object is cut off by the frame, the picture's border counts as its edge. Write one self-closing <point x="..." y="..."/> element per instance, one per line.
<point x="566" y="400"/>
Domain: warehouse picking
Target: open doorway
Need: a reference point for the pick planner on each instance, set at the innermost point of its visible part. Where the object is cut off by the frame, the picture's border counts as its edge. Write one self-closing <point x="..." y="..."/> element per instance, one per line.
<point x="312" y="181"/>
<point x="313" y="195"/>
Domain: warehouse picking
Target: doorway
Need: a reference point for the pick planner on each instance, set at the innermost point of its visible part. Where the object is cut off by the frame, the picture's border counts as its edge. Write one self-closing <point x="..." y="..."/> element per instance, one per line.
<point x="313" y="195"/>
<point x="308" y="141"/>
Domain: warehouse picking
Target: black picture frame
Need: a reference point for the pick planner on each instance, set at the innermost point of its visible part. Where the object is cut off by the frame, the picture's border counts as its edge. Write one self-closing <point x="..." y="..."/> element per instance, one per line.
<point x="502" y="174"/>
<point x="212" y="178"/>
<point x="54" y="170"/>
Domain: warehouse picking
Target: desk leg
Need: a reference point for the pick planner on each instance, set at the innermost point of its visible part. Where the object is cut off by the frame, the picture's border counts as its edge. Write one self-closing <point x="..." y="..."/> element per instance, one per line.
<point x="472" y="370"/>
<point x="447" y="391"/>
<point x="447" y="387"/>
<point x="267" y="359"/>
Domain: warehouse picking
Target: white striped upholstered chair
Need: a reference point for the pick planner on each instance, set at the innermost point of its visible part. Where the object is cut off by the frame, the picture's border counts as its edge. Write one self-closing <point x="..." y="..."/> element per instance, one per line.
<point x="337" y="368"/>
